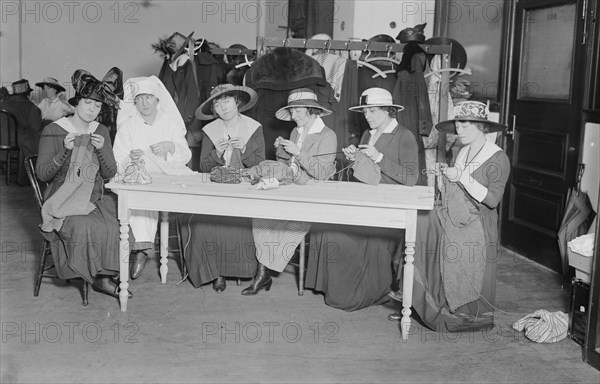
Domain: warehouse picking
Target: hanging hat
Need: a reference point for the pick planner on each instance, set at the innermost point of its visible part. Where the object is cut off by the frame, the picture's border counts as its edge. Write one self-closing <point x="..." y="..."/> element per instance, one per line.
<point x="302" y="97"/>
<point x="247" y="96"/>
<point x="382" y="38"/>
<point x="173" y="46"/>
<point x="21" y="87"/>
<point x="412" y="34"/>
<point x="458" y="55"/>
<point x="470" y="111"/>
<point x="376" y="97"/>
<point x="108" y="91"/>
<point x="51" y="82"/>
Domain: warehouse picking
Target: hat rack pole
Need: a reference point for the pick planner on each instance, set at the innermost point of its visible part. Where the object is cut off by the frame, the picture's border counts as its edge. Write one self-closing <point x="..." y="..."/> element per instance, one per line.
<point x="344" y="45"/>
<point x="443" y="107"/>
<point x="232" y="51"/>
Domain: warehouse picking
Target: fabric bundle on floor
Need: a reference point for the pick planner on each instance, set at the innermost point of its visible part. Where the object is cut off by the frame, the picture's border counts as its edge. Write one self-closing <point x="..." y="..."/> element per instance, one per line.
<point x="542" y="326"/>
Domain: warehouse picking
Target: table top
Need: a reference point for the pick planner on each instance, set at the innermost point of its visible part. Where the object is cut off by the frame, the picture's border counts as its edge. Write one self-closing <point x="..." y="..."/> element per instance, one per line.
<point x="321" y="192"/>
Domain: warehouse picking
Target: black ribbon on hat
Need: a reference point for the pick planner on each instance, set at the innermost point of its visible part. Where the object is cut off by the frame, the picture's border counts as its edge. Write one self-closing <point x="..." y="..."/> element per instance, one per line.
<point x="109" y="90"/>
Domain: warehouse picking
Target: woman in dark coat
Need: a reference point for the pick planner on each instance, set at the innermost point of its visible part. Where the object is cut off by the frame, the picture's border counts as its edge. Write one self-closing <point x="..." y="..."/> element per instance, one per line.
<point x="219" y="247"/>
<point x="352" y="266"/>
<point x="457" y="242"/>
<point x="75" y="158"/>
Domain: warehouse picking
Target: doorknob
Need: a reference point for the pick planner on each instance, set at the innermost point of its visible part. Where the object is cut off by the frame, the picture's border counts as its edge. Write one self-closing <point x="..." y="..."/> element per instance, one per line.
<point x="513" y="127"/>
<point x="571" y="149"/>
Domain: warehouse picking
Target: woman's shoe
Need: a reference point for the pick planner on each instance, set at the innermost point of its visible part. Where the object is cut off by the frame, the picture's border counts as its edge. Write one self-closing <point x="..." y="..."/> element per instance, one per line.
<point x="138" y="263"/>
<point x="261" y="280"/>
<point x="219" y="284"/>
<point x="396" y="316"/>
<point x="105" y="284"/>
<point x="396" y="295"/>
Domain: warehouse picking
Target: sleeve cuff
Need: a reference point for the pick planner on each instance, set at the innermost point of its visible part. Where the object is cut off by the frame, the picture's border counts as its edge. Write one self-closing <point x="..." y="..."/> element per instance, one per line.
<point x="379" y="158"/>
<point x="473" y="187"/>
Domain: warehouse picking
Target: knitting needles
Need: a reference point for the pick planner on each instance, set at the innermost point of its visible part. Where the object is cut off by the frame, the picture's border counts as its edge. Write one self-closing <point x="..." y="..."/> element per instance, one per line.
<point x="325" y="154"/>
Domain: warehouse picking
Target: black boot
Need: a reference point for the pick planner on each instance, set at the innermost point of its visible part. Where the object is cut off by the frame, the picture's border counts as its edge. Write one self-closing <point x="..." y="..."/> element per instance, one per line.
<point x="106" y="284"/>
<point x="261" y="280"/>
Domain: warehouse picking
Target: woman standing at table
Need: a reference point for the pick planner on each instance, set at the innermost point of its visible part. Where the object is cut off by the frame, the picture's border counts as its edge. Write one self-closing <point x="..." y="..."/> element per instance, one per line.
<point x="457" y="246"/>
<point x="312" y="150"/>
<point x="75" y="157"/>
<point x="149" y="129"/>
<point x="352" y="266"/>
<point x="219" y="246"/>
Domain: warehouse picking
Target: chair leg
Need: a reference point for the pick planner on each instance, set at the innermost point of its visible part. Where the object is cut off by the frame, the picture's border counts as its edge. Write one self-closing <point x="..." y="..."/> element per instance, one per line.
<point x="302" y="261"/>
<point x="86" y="289"/>
<point x="239" y="281"/>
<point x="40" y="271"/>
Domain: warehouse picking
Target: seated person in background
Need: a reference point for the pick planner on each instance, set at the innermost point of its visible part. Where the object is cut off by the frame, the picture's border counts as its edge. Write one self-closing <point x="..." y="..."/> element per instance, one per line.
<point x="219" y="246"/>
<point x="312" y="147"/>
<point x="54" y="105"/>
<point x="149" y="129"/>
<point x="75" y="158"/>
<point x="352" y="266"/>
<point x="456" y="251"/>
<point x="29" y="118"/>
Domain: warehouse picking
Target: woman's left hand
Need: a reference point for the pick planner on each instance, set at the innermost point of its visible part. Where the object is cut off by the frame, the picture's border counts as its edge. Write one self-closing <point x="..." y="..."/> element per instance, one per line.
<point x="369" y="151"/>
<point x="161" y="148"/>
<point x="452" y="173"/>
<point x="97" y="141"/>
<point x="290" y="147"/>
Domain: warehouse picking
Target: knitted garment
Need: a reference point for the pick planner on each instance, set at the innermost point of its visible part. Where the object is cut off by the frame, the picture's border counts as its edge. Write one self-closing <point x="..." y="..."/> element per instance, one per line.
<point x="365" y="169"/>
<point x="225" y="175"/>
<point x="270" y="170"/>
<point x="463" y="247"/>
<point x="73" y="197"/>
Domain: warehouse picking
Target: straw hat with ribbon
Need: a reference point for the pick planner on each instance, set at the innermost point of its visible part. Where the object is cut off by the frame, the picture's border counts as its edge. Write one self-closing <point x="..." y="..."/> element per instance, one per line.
<point x="474" y="111"/>
<point x="246" y="95"/>
<point x="376" y="97"/>
<point x="51" y="82"/>
<point x="302" y="97"/>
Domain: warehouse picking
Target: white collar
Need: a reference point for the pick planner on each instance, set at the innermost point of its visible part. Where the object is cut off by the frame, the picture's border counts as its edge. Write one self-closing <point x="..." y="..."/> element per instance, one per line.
<point x="389" y="129"/>
<point x="66" y="124"/>
<point x="484" y="154"/>
<point x="317" y="126"/>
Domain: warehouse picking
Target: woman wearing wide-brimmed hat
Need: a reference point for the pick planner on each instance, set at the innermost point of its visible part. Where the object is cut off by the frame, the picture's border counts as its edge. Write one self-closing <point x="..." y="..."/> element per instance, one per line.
<point x="222" y="247"/>
<point x="311" y="149"/>
<point x="457" y="242"/>
<point x="357" y="271"/>
<point x="54" y="105"/>
<point x="75" y="157"/>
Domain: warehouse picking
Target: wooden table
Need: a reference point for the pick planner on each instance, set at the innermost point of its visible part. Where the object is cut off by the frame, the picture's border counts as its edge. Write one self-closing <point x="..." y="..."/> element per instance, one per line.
<point x="384" y="205"/>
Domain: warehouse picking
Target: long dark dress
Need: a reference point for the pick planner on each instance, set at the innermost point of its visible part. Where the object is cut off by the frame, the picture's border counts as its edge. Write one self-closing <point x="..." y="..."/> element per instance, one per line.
<point x="86" y="245"/>
<point x="217" y="245"/>
<point x="352" y="266"/>
<point x="429" y="298"/>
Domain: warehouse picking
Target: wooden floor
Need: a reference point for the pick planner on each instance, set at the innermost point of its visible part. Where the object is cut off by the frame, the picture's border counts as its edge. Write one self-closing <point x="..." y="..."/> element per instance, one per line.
<point x="180" y="334"/>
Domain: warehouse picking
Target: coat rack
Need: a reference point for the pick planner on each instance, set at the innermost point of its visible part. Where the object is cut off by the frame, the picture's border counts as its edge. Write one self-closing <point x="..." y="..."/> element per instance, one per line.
<point x="262" y="43"/>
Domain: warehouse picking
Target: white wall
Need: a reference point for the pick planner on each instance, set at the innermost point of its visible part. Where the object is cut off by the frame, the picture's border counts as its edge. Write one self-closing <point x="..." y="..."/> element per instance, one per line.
<point x="58" y="37"/>
<point x="364" y="19"/>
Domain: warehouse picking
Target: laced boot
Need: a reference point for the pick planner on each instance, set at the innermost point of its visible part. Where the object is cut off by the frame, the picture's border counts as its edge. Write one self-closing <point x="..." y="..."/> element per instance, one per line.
<point x="261" y="280"/>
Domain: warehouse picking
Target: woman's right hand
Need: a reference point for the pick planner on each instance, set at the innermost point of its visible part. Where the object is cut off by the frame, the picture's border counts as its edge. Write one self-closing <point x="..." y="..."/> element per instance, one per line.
<point x="69" y="141"/>
<point x="221" y="146"/>
<point x="350" y="152"/>
<point x="135" y="155"/>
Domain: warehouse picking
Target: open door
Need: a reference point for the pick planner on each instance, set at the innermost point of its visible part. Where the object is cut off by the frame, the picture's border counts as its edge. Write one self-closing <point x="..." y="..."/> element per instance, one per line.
<point x="545" y="100"/>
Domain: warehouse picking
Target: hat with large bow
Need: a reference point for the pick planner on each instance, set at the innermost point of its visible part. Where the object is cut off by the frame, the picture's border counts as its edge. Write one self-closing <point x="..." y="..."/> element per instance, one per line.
<point x="108" y="91"/>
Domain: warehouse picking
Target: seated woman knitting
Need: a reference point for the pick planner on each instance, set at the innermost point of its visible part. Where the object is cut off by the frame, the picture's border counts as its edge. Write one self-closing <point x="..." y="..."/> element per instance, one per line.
<point x="457" y="247"/>
<point x="311" y="149"/>
<point x="75" y="157"/>
<point x="150" y="138"/>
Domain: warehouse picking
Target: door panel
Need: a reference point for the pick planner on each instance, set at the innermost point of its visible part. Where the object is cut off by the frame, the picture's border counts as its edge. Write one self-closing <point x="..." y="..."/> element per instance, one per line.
<point x="544" y="110"/>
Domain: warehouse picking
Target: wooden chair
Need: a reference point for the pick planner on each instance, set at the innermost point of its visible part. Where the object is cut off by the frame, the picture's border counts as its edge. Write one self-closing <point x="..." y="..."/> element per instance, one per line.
<point x="42" y="270"/>
<point x="9" y="141"/>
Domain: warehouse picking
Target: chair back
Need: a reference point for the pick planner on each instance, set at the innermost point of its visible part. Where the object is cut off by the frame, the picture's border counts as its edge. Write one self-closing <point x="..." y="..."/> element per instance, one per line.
<point x="9" y="128"/>
<point x="30" y="162"/>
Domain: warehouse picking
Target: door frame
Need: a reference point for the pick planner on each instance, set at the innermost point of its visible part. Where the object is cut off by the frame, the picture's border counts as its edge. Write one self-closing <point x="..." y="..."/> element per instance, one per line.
<point x="509" y="86"/>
